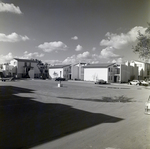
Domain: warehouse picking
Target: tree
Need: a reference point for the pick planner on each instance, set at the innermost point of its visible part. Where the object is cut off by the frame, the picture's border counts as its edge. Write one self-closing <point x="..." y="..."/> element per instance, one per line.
<point x="143" y="45"/>
<point x="43" y="68"/>
<point x="27" y="69"/>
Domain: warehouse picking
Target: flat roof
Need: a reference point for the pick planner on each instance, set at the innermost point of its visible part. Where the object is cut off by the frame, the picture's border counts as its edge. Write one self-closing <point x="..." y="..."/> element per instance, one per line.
<point x="100" y="65"/>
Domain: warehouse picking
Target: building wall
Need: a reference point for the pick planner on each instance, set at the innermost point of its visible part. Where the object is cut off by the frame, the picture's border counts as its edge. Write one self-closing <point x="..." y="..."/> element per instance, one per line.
<point x="74" y="72"/>
<point x="65" y="72"/>
<point x="111" y="72"/>
<point x="143" y="69"/>
<point x="7" y="70"/>
<point x="77" y="71"/>
<point x="128" y="72"/>
<point x="93" y="74"/>
<point x="31" y="73"/>
<point x="19" y="68"/>
<point x="55" y="72"/>
<point x="124" y="73"/>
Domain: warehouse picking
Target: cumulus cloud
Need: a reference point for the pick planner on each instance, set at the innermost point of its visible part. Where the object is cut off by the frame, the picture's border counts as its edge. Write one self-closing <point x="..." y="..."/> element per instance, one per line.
<point x="108" y="53"/>
<point x="74" y="38"/>
<point x="5" y="7"/>
<point x="78" y="48"/>
<point x="94" y="48"/>
<point x="53" y="46"/>
<point x="118" y="41"/>
<point x="52" y="62"/>
<point x="82" y="57"/>
<point x="119" y="60"/>
<point x="13" y="37"/>
<point x="30" y="55"/>
<point x="26" y="55"/>
<point x="6" y="58"/>
<point x="70" y="60"/>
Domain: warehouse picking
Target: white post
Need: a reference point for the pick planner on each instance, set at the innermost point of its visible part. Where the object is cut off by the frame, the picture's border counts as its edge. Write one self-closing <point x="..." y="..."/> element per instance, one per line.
<point x="59" y="84"/>
<point x="147" y="106"/>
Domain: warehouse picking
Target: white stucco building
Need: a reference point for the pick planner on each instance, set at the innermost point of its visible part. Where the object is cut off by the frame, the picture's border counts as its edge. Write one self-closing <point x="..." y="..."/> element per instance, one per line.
<point x="6" y="69"/>
<point x="20" y="66"/>
<point x="63" y="71"/>
<point x="110" y="72"/>
<point x="128" y="72"/>
<point x="77" y="71"/>
<point x="144" y="69"/>
<point x="93" y="72"/>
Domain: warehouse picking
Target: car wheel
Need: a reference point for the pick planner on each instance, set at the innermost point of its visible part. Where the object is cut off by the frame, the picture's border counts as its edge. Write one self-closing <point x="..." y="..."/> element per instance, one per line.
<point x="130" y="83"/>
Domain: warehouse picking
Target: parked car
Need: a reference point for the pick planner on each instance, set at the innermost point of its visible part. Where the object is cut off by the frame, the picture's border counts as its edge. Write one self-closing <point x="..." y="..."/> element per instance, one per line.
<point x="134" y="82"/>
<point x="101" y="81"/>
<point x="145" y="83"/>
<point x="7" y="79"/>
<point x="60" y="79"/>
<point x="148" y="81"/>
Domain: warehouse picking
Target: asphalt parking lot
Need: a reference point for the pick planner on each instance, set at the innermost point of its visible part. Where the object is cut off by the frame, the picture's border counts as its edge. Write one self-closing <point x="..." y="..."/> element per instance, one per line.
<point x="38" y="114"/>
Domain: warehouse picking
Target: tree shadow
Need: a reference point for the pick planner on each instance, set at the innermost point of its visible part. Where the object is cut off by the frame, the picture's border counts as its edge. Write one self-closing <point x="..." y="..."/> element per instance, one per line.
<point x="114" y="99"/>
<point x="25" y="123"/>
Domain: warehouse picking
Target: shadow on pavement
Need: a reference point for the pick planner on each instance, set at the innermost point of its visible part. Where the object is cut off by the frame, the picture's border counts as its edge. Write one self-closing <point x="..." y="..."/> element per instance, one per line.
<point x="122" y="99"/>
<point x="25" y="123"/>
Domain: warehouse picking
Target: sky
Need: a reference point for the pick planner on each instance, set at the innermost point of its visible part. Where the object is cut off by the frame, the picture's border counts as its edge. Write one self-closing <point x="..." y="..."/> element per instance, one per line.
<point x="71" y="31"/>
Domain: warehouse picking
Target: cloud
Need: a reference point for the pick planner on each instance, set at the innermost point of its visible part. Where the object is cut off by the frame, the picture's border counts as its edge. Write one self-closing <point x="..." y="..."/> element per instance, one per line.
<point x="74" y="38"/>
<point x="108" y="53"/>
<point x="78" y="48"/>
<point x="6" y="58"/>
<point x="70" y="60"/>
<point x="94" y="48"/>
<point x="13" y="37"/>
<point x="52" y="62"/>
<point x="28" y="55"/>
<point x="5" y="7"/>
<point x="119" y="41"/>
<point x="119" y="60"/>
<point x="53" y="46"/>
<point x="82" y="57"/>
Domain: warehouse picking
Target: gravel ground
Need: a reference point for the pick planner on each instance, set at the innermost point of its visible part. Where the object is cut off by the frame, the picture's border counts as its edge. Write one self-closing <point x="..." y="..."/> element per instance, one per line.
<point x="80" y="115"/>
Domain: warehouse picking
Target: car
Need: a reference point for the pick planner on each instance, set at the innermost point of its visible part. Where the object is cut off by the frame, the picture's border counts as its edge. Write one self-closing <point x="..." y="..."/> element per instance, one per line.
<point x="134" y="82"/>
<point x="144" y="83"/>
<point x="148" y="81"/>
<point x="7" y="79"/>
<point x="101" y="81"/>
<point x="60" y="79"/>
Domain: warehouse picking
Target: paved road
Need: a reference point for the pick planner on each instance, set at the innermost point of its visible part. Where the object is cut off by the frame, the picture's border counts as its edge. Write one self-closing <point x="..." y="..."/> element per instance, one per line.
<point x="37" y="114"/>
